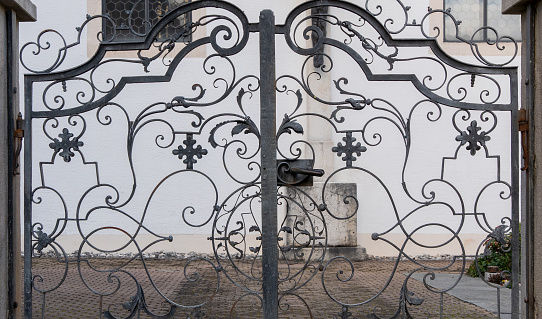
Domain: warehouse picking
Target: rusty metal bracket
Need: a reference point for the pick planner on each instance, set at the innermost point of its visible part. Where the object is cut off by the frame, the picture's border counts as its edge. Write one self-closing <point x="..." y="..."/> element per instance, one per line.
<point x="18" y="135"/>
<point x="524" y="129"/>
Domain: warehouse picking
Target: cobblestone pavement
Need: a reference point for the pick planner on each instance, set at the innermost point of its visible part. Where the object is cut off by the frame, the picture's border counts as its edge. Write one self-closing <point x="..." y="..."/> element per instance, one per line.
<point x="76" y="298"/>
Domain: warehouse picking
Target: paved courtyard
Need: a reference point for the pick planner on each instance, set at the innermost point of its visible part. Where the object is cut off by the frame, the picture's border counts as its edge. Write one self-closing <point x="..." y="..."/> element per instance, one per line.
<point x="197" y="283"/>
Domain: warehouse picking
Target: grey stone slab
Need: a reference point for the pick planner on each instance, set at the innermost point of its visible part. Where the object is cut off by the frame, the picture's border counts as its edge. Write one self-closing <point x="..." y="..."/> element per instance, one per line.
<point x="305" y="254"/>
<point x="472" y="290"/>
<point x="25" y="9"/>
<point x="514" y="6"/>
<point x="340" y="203"/>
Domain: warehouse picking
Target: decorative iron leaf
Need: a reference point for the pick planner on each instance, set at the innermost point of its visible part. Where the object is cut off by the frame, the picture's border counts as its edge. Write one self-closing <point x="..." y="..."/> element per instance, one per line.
<point x="288" y="125"/>
<point x="299" y="100"/>
<point x="286" y="248"/>
<point x="240" y="128"/>
<point x="182" y="101"/>
<point x="286" y="229"/>
<point x="357" y="104"/>
<point x="499" y="234"/>
<point x="242" y="92"/>
<point x="43" y="240"/>
<point x="413" y="300"/>
<point x="248" y="126"/>
<point x="212" y="140"/>
<point x="254" y="249"/>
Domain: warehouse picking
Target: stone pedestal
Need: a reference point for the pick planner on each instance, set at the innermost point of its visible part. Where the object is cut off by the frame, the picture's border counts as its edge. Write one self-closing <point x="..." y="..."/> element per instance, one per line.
<point x="305" y="217"/>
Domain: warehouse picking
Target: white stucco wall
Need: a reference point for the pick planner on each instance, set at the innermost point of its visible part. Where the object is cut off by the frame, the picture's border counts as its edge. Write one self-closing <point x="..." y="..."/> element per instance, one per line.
<point x="106" y="144"/>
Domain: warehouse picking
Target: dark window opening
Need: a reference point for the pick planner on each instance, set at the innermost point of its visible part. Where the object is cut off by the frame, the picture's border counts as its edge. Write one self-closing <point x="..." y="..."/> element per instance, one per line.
<point x="135" y="18"/>
<point x="475" y="14"/>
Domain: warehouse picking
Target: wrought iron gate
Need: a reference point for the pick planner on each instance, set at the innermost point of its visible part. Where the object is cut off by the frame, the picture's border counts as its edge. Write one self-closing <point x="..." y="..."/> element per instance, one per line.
<point x="165" y="137"/>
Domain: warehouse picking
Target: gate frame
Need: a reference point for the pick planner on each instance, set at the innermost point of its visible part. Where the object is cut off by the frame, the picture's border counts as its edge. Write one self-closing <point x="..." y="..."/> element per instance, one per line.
<point x="267" y="31"/>
<point x="12" y="13"/>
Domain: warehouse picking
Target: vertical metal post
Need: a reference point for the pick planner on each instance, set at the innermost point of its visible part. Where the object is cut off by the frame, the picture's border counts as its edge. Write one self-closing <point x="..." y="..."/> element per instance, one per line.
<point x="484" y="18"/>
<point x="28" y="86"/>
<point x="11" y="25"/>
<point x="514" y="151"/>
<point x="528" y="225"/>
<point x="147" y="17"/>
<point x="269" y="164"/>
<point x="515" y="159"/>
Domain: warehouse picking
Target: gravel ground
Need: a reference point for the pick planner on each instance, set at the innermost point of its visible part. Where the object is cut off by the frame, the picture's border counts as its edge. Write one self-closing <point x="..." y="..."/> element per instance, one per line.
<point x="198" y="282"/>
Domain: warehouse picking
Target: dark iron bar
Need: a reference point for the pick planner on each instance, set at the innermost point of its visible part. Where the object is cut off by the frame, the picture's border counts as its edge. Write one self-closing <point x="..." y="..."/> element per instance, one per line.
<point x="527" y="231"/>
<point x="515" y="242"/>
<point x="11" y="25"/>
<point x="269" y="161"/>
<point x="28" y="200"/>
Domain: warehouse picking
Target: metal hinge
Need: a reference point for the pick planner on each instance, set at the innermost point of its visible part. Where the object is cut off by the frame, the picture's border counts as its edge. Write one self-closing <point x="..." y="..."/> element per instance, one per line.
<point x="18" y="135"/>
<point x="524" y="129"/>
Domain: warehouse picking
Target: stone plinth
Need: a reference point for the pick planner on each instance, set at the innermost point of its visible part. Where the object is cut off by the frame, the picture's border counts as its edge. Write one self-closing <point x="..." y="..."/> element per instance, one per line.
<point x="305" y="216"/>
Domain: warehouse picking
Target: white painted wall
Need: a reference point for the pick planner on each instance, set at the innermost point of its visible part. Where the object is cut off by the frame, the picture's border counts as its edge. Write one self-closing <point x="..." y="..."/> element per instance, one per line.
<point x="105" y="144"/>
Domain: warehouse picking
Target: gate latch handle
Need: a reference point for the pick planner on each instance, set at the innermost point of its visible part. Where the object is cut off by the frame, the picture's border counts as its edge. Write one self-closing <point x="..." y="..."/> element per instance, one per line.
<point x="298" y="172"/>
<point x="307" y="171"/>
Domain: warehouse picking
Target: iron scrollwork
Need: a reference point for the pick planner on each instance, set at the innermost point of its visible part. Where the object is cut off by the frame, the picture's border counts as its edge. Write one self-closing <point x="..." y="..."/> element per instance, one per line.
<point x="218" y="118"/>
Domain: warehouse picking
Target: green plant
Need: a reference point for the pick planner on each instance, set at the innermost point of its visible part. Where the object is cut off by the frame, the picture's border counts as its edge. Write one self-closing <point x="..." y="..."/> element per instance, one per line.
<point x="501" y="259"/>
<point x="497" y="252"/>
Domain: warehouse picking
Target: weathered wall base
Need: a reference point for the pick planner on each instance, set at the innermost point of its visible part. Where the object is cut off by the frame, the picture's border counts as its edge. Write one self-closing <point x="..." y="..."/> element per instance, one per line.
<point x="199" y="244"/>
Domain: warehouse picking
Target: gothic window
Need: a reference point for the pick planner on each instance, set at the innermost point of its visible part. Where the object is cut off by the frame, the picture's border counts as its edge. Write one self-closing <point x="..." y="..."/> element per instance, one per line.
<point x="475" y="14"/>
<point x="134" y="19"/>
